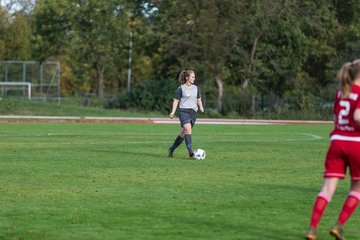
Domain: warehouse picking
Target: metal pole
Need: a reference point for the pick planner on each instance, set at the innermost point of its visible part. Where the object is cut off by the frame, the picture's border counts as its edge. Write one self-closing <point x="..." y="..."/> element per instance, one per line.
<point x="58" y="78"/>
<point x="29" y="91"/>
<point x="41" y="79"/>
<point x="24" y="72"/>
<point x="6" y="72"/>
<point x="129" y="67"/>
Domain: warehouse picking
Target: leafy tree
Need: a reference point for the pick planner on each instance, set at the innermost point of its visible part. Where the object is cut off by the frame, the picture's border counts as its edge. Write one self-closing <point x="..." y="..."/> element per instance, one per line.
<point x="201" y="33"/>
<point x="94" y="35"/>
<point x="348" y="35"/>
<point x="145" y="42"/>
<point x="51" y="29"/>
<point x="260" y="16"/>
<point x="286" y="42"/>
<point x="289" y="49"/>
<point x="319" y="25"/>
<point x="15" y="35"/>
<point x="91" y="33"/>
<point x="51" y="40"/>
<point x="3" y="26"/>
<point x="18" y="38"/>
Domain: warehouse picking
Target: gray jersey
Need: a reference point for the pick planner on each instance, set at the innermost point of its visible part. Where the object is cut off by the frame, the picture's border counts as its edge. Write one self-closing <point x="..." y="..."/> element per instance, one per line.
<point x="188" y="96"/>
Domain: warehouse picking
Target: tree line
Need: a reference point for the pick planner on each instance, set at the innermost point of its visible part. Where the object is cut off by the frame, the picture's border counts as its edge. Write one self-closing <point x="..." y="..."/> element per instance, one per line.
<point x="247" y="55"/>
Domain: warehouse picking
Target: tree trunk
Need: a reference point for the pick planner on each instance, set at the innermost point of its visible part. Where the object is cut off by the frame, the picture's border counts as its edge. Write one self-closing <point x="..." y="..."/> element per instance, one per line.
<point x="253" y="103"/>
<point x="250" y="66"/>
<point x="220" y="89"/>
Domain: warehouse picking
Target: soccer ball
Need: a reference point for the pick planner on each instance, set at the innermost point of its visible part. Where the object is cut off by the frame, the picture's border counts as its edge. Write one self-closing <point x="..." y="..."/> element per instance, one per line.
<point x="199" y="154"/>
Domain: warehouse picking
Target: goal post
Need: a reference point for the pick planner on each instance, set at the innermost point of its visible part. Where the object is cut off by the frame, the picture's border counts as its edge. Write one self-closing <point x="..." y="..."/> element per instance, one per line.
<point x="18" y="84"/>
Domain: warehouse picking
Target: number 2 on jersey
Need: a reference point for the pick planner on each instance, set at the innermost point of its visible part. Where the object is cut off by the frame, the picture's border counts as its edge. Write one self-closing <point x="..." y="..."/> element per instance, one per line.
<point x="344" y="113"/>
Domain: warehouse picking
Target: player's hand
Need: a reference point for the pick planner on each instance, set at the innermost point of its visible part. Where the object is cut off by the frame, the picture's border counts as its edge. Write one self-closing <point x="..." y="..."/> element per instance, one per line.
<point x="202" y="110"/>
<point x="172" y="115"/>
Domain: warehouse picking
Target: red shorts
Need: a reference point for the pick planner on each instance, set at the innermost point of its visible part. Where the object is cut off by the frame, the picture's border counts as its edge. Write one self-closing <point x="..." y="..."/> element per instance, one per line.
<point x="343" y="154"/>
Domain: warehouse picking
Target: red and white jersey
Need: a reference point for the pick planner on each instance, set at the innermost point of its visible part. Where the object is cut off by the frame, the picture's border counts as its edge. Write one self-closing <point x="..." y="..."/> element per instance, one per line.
<point x="345" y="126"/>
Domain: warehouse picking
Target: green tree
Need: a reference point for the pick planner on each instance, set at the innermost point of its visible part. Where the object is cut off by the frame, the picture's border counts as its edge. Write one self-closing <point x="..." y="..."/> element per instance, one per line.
<point x="284" y="43"/>
<point x="51" y="40"/>
<point x="202" y="33"/>
<point x="18" y="37"/>
<point x="51" y="29"/>
<point x="348" y="35"/>
<point x="91" y="33"/>
<point x="3" y="26"/>
<point x="94" y="36"/>
<point x="145" y="42"/>
<point x="259" y="16"/>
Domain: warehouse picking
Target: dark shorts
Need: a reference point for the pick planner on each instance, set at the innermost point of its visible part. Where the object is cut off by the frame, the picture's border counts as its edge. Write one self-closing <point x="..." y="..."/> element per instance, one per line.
<point x="187" y="116"/>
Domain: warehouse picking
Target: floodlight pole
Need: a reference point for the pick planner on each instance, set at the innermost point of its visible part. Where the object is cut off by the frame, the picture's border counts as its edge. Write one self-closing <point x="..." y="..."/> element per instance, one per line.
<point x="129" y="66"/>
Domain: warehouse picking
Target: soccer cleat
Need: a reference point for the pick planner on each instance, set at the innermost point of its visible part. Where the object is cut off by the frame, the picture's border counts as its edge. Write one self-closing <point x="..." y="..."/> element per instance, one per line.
<point x="337" y="232"/>
<point x="170" y="154"/>
<point x="191" y="154"/>
<point x="311" y="234"/>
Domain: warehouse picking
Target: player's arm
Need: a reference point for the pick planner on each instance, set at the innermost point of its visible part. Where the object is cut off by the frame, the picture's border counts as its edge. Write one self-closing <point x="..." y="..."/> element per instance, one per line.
<point x="199" y="101"/>
<point x="174" y="107"/>
<point x="175" y="103"/>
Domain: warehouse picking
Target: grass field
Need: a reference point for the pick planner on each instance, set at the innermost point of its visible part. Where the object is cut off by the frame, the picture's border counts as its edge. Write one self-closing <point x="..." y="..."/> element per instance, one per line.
<point x="9" y="106"/>
<point x="114" y="181"/>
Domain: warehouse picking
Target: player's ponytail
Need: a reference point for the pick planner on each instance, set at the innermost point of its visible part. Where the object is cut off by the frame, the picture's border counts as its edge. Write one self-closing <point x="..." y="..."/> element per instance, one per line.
<point x="182" y="77"/>
<point x="347" y="75"/>
<point x="345" y="78"/>
<point x="184" y="74"/>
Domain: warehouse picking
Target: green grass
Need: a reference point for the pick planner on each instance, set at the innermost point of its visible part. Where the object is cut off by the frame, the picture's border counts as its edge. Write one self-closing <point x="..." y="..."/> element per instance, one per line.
<point x="94" y="181"/>
<point x="9" y="106"/>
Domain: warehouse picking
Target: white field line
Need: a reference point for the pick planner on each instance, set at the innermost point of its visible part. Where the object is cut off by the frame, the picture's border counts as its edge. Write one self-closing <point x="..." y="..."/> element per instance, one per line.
<point x="314" y="137"/>
<point x="310" y="137"/>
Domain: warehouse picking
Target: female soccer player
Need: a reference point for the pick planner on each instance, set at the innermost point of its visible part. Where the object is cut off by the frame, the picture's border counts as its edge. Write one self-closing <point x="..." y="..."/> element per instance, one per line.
<point x="189" y="101"/>
<point x="343" y="152"/>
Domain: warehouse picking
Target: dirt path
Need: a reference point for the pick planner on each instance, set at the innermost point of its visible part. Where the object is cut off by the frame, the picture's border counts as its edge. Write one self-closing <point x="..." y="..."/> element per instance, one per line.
<point x="137" y="120"/>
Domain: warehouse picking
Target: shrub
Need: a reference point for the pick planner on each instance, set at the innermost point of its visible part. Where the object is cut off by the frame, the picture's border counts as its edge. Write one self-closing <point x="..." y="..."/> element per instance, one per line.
<point x="150" y="95"/>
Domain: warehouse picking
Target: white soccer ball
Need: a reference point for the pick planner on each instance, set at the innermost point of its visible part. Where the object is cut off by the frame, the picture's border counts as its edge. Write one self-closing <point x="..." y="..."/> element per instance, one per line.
<point x="199" y="154"/>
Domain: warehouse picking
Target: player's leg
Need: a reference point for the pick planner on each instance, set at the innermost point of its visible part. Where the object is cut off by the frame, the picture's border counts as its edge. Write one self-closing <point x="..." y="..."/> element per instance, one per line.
<point x="321" y="202"/>
<point x="184" y="120"/>
<point x="350" y="205"/>
<point x="178" y="140"/>
<point x="188" y="140"/>
<point x="335" y="169"/>
<point x="353" y="199"/>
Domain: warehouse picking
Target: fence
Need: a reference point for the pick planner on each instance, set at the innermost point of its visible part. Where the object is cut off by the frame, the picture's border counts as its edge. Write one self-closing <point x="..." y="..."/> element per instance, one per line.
<point x="42" y="79"/>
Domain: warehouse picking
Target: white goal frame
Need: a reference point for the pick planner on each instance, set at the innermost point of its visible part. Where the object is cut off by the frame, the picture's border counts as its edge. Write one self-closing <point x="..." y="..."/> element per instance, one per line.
<point x="27" y="84"/>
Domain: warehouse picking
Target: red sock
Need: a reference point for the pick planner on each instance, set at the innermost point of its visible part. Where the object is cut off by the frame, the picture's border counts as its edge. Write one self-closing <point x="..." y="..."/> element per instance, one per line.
<point x="349" y="206"/>
<point x="320" y="204"/>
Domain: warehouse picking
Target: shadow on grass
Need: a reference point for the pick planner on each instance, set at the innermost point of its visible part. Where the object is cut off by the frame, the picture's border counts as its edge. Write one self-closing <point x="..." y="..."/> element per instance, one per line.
<point x="142" y="154"/>
<point x="242" y="230"/>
